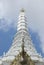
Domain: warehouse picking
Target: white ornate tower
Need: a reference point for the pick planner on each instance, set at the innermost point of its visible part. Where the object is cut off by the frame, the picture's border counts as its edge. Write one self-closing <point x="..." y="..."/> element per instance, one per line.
<point x="22" y="51"/>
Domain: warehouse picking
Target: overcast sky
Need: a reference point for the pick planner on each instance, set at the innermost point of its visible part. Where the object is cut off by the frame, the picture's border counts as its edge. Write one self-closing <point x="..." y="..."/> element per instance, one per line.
<point x="9" y="12"/>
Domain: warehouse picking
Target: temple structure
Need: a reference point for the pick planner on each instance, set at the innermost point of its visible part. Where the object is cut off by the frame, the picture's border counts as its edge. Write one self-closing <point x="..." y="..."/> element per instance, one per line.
<point x="22" y="50"/>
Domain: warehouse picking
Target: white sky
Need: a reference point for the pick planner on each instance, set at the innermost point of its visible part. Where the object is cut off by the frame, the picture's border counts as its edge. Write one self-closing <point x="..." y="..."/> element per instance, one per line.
<point x="9" y="10"/>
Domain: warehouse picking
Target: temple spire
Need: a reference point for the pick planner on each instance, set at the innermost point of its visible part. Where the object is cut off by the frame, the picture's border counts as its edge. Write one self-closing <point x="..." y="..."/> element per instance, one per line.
<point x="22" y="22"/>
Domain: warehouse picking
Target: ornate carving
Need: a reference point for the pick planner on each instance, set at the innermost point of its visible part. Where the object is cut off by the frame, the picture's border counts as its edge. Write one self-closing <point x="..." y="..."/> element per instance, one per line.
<point x="22" y="58"/>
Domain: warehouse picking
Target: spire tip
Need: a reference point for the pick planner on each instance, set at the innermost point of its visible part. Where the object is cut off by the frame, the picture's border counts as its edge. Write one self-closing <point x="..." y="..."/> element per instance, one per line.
<point x="22" y="10"/>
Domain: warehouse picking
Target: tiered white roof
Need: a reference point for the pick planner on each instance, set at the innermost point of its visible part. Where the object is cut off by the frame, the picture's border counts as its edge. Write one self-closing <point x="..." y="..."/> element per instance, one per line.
<point x="22" y="24"/>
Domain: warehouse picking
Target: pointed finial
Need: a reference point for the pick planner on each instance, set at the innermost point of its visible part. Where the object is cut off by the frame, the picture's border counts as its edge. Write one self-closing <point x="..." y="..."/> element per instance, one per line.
<point x="22" y="22"/>
<point x="22" y="10"/>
